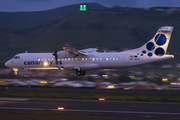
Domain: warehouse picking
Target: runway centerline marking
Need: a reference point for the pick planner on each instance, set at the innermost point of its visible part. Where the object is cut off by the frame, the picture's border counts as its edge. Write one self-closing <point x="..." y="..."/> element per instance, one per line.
<point x="15" y="108"/>
<point x="92" y="111"/>
<point x="13" y="99"/>
<point x="129" y="112"/>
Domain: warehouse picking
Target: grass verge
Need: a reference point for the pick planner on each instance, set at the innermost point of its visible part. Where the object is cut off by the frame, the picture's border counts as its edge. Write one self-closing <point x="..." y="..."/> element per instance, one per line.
<point x="57" y="95"/>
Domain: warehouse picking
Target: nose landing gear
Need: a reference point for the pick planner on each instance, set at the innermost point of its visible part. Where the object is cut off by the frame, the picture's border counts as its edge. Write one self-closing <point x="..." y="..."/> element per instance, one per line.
<point x="15" y="71"/>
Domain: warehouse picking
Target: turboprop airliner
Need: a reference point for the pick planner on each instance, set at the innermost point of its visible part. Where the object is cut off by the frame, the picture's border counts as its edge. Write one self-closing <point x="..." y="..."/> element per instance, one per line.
<point x="89" y="59"/>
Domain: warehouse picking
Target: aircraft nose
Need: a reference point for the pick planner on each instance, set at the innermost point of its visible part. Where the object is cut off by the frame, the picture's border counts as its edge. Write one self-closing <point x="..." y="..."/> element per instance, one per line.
<point x="7" y="64"/>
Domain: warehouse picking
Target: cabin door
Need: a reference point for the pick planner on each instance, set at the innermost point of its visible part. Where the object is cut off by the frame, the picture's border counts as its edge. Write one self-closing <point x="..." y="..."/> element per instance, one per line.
<point x="126" y="60"/>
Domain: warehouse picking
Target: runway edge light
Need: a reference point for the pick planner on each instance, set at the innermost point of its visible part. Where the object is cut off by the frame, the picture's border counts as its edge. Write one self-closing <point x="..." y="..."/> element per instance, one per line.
<point x="60" y="108"/>
<point x="101" y="99"/>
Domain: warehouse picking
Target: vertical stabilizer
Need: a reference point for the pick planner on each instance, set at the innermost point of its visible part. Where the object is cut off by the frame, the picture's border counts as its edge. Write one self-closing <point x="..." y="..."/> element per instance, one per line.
<point x="158" y="44"/>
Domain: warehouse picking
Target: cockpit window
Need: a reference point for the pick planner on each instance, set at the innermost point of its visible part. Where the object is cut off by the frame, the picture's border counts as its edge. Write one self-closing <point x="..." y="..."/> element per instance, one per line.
<point x="16" y="57"/>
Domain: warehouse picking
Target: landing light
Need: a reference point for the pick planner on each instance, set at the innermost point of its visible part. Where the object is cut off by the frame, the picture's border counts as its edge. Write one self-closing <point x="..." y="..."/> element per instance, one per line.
<point x="45" y="63"/>
<point x="15" y="69"/>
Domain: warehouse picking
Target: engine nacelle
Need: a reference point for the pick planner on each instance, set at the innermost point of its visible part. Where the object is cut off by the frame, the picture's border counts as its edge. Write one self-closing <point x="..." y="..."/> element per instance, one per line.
<point x="63" y="54"/>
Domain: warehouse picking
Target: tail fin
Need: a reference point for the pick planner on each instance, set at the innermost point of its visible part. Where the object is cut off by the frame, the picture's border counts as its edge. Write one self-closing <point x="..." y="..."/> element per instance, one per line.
<point x="159" y="43"/>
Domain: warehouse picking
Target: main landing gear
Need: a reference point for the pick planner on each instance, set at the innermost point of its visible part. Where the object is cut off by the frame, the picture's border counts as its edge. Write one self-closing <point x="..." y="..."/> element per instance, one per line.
<point x="80" y="73"/>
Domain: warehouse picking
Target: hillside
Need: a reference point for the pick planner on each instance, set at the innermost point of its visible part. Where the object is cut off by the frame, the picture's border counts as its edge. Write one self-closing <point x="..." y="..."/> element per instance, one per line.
<point x="113" y="29"/>
<point x="23" y="20"/>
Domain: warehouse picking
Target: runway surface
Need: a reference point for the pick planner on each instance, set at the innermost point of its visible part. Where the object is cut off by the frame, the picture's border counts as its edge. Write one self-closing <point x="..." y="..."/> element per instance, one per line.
<point x="89" y="106"/>
<point x="93" y="91"/>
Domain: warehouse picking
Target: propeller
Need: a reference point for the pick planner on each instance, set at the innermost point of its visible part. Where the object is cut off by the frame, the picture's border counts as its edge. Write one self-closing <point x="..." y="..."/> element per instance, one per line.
<point x="55" y="54"/>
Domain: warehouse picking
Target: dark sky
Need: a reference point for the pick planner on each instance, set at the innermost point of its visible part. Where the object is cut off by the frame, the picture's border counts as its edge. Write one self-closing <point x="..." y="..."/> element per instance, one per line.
<point x="38" y="5"/>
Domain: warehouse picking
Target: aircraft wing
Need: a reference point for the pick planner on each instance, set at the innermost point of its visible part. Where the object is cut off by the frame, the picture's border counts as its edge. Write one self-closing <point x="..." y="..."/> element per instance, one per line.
<point x="84" y="52"/>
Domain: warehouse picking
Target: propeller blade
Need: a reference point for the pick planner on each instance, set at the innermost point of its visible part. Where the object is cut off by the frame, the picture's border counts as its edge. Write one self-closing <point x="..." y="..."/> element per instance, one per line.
<point x="55" y="54"/>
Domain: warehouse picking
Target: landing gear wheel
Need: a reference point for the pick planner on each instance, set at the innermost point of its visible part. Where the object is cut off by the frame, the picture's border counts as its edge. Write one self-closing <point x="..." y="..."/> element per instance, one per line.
<point x="83" y="73"/>
<point x="78" y="73"/>
<point x="15" y="72"/>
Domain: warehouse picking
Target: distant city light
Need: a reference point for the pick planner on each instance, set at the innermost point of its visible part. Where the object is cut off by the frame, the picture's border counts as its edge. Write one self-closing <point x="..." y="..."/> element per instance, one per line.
<point x="26" y="75"/>
<point x="110" y="87"/>
<point x="132" y="77"/>
<point x="105" y="76"/>
<point x="164" y="80"/>
<point x="52" y="82"/>
<point x="43" y="82"/>
<point x="126" y="88"/>
<point x="173" y="83"/>
<point x="63" y="79"/>
<point x="106" y="69"/>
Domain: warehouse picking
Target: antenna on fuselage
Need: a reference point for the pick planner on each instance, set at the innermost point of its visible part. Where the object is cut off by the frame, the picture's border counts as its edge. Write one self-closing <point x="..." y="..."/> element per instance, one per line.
<point x="26" y="52"/>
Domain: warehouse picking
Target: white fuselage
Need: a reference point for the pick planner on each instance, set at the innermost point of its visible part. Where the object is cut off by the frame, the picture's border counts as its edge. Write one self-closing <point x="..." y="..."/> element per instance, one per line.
<point x="96" y="60"/>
